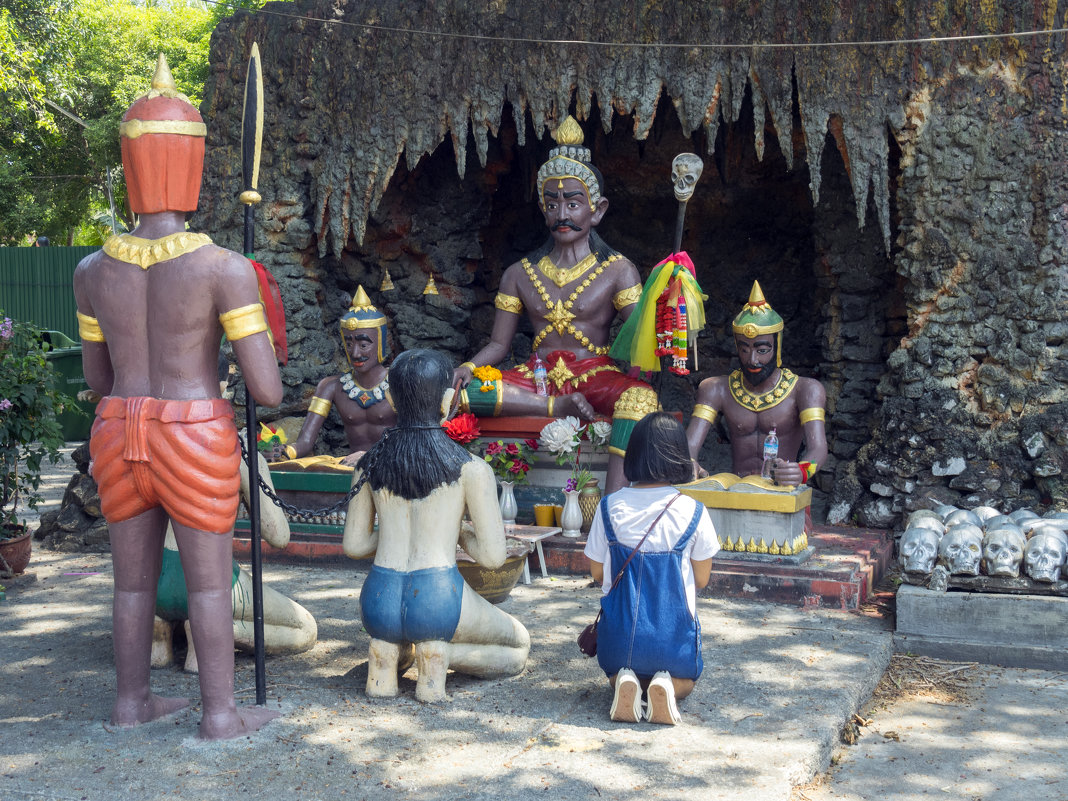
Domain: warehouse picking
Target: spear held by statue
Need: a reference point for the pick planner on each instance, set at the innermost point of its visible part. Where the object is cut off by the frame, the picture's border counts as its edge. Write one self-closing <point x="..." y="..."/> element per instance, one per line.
<point x="251" y="140"/>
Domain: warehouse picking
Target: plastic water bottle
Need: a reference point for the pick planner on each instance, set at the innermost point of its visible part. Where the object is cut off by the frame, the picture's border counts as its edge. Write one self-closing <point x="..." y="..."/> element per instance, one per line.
<point x="771" y="453"/>
<point x="541" y="383"/>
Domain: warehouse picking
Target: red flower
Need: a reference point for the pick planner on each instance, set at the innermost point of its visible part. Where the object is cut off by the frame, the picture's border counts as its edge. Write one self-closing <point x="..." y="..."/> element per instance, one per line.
<point x="463" y="428"/>
<point x="494" y="448"/>
<point x="511" y="449"/>
<point x="519" y="468"/>
<point x="531" y="443"/>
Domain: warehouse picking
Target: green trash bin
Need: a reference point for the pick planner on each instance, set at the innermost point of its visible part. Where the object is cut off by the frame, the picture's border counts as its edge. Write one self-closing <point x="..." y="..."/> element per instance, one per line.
<point x="66" y="359"/>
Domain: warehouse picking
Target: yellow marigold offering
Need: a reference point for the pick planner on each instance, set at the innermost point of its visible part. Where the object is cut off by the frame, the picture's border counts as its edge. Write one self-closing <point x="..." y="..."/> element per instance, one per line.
<point x="487" y="375"/>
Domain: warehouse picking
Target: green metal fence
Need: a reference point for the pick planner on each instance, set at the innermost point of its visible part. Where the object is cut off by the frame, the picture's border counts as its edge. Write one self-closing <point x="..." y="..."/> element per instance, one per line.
<point x="36" y="285"/>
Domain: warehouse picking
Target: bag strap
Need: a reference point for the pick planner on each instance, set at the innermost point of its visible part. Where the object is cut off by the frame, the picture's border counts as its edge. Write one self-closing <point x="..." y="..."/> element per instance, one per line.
<point x="637" y="547"/>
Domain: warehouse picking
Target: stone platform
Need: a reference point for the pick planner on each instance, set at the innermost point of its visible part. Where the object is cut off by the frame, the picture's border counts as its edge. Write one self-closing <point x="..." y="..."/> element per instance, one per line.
<point x="844" y="567"/>
<point x="1028" y="631"/>
<point x="840" y="574"/>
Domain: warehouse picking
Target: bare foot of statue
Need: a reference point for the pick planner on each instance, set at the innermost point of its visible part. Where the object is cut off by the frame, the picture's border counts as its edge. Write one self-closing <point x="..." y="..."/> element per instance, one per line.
<point x="235" y="722"/>
<point x="432" y="661"/>
<point x="383" y="660"/>
<point x="573" y="405"/>
<point x="134" y="711"/>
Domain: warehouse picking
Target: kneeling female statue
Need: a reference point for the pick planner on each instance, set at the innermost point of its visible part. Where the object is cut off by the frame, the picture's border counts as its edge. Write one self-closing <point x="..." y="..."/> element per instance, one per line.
<point x="419" y="482"/>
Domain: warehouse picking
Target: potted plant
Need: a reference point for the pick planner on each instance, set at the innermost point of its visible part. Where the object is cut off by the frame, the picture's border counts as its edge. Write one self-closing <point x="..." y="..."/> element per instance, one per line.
<point x="30" y="401"/>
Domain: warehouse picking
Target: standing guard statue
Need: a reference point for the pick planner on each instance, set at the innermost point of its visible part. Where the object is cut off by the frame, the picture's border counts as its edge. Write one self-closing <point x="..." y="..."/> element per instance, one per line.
<point x="571" y="288"/>
<point x="152" y="308"/>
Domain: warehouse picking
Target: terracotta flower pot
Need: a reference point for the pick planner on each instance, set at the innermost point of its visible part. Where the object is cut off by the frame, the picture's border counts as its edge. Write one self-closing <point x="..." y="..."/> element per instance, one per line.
<point x="14" y="552"/>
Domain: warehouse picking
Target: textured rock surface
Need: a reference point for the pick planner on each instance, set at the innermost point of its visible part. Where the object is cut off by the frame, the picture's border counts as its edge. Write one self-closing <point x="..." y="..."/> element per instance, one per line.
<point x="901" y="204"/>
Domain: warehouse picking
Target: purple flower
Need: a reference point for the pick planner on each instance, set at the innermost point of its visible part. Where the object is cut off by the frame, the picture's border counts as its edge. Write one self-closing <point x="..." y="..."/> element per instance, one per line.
<point x="571" y="485"/>
<point x="6" y="328"/>
<point x="5" y="404"/>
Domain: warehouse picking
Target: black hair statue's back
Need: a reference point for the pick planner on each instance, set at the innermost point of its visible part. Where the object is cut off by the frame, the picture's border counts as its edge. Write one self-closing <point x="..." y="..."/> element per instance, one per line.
<point x="417" y="456"/>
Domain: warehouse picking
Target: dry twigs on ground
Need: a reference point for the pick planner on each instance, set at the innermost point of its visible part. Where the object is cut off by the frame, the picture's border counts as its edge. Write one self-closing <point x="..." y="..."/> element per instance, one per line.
<point x="935" y="680"/>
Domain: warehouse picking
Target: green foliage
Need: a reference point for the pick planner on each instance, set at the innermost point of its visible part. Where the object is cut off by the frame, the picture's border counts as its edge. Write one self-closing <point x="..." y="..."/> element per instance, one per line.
<point x="30" y="399"/>
<point x="91" y="58"/>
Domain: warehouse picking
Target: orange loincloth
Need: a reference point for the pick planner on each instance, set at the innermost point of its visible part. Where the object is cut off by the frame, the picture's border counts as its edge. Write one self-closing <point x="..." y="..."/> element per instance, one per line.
<point x="182" y="456"/>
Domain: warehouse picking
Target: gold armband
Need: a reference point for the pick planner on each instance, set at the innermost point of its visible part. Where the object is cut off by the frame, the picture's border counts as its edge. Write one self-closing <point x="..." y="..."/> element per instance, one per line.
<point x="89" y="328"/>
<point x="319" y="406"/>
<point x="815" y="413"/>
<point x="291" y="452"/>
<point x="627" y="296"/>
<point x="549" y="407"/>
<point x="243" y="322"/>
<point x="704" y="412"/>
<point x="470" y="366"/>
<point x="508" y="303"/>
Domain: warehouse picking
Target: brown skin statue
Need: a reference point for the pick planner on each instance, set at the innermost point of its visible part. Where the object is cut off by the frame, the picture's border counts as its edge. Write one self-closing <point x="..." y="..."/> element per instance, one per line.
<point x="152" y="309"/>
<point x="361" y="396"/>
<point x="571" y="289"/>
<point x="761" y="396"/>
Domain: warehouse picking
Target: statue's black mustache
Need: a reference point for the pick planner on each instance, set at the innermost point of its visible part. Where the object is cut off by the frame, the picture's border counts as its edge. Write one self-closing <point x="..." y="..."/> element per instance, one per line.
<point x="566" y="224"/>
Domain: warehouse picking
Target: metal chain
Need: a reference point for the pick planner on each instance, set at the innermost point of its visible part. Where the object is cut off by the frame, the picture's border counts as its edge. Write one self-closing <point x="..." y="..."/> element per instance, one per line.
<point x="296" y="512"/>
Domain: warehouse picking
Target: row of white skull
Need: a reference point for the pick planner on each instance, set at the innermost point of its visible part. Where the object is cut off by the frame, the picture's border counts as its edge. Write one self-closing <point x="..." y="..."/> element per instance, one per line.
<point x="999" y="547"/>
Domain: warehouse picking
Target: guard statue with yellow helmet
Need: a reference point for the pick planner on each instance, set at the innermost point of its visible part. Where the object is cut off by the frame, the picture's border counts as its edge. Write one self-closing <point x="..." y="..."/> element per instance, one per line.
<point x="571" y="289"/>
<point x="361" y="396"/>
<point x="152" y="307"/>
<point x="760" y="396"/>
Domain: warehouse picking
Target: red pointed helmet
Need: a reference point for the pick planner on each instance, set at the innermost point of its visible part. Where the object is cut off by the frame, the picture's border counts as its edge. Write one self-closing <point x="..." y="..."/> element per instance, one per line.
<point x="162" y="136"/>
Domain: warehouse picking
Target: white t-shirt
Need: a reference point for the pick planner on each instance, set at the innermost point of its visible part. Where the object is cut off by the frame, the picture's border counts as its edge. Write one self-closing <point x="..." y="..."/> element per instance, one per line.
<point x="632" y="510"/>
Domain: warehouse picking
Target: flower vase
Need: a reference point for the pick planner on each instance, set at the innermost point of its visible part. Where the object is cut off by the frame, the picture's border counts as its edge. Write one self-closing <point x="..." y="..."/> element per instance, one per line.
<point x="571" y="517"/>
<point x="589" y="498"/>
<point x="509" y="509"/>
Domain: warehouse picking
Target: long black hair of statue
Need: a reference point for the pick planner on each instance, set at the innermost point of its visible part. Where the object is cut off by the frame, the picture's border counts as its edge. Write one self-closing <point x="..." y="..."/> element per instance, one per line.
<point x="416" y="456"/>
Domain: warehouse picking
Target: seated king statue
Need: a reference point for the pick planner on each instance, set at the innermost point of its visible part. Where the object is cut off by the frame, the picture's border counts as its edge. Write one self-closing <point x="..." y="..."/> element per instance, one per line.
<point x="760" y="396"/>
<point x="571" y="289"/>
<point x="361" y="396"/>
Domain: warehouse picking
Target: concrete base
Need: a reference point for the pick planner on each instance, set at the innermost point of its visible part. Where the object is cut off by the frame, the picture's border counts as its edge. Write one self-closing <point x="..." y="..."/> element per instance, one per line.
<point x="1025" y="631"/>
<point x="842" y="572"/>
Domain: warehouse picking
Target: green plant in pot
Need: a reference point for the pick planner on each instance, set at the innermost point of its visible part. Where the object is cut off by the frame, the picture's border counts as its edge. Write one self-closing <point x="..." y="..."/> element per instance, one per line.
<point x="30" y="400"/>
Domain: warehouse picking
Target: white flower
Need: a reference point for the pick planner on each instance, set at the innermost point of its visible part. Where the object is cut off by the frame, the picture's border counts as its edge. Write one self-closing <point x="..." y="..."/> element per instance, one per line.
<point x="600" y="432"/>
<point x="561" y="436"/>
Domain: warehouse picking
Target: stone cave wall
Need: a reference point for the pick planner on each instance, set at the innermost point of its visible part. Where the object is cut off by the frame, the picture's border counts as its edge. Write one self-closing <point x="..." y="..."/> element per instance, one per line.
<point x="903" y="214"/>
<point x="973" y="407"/>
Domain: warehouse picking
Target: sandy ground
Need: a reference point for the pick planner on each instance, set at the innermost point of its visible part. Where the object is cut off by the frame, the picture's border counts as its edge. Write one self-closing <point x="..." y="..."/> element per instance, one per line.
<point x="780" y="687"/>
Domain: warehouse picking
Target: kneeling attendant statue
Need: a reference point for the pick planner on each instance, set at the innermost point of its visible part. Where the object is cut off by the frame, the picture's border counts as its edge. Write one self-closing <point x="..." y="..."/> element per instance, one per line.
<point x="419" y="482"/>
<point x="761" y="396"/>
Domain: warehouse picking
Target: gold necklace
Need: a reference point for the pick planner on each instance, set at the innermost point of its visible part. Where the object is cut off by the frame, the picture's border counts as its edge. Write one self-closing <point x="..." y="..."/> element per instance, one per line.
<point x="765" y="400"/>
<point x="146" y="252"/>
<point x="560" y="316"/>
<point x="562" y="277"/>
